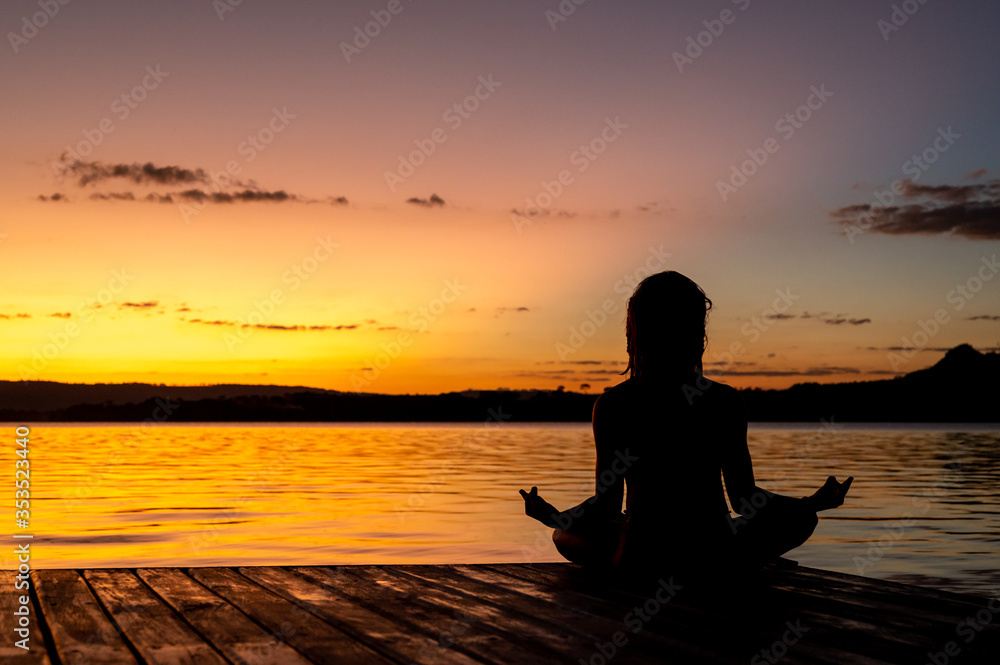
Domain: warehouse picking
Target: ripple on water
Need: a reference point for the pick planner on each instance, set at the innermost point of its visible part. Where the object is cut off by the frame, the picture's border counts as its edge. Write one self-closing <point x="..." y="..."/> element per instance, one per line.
<point x="925" y="505"/>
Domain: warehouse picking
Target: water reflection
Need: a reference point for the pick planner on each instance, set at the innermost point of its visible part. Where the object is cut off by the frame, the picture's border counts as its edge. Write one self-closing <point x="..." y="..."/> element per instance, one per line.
<point x="924" y="507"/>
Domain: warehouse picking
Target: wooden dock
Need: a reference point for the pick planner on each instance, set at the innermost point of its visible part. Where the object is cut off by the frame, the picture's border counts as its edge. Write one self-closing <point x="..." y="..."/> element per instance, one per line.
<point x="501" y="613"/>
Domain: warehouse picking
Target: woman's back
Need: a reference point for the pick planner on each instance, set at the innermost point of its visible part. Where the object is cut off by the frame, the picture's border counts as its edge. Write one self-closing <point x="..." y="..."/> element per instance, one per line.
<point x="677" y="436"/>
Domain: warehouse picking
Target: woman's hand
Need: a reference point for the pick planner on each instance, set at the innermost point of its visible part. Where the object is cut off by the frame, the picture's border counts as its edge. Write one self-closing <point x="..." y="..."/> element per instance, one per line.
<point x="538" y="508"/>
<point x="831" y="494"/>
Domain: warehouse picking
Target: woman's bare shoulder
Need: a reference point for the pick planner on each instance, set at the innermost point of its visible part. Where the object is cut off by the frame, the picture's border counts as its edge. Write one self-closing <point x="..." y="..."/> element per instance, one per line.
<point x="724" y="400"/>
<point x="705" y="392"/>
<point x="722" y="391"/>
<point x="613" y="398"/>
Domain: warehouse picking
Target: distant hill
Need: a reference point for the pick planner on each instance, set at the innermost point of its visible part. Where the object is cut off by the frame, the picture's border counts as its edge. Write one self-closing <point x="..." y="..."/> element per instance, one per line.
<point x="51" y="395"/>
<point x="961" y="387"/>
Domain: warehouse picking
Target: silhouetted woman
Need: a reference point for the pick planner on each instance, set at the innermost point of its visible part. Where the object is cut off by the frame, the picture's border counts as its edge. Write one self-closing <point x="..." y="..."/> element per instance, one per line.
<point x="667" y="434"/>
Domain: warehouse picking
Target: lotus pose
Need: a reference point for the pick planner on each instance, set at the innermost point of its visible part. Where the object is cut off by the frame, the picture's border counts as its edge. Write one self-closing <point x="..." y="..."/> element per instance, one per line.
<point x="670" y="435"/>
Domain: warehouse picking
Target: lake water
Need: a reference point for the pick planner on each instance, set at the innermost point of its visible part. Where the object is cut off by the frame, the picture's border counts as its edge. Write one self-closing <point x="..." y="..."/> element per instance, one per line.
<point x="924" y="508"/>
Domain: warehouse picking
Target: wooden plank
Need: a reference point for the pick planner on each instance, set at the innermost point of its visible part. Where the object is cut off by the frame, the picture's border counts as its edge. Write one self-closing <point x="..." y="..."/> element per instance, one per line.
<point x="393" y="639"/>
<point x="908" y="614"/>
<point x="37" y="652"/>
<point x="81" y="632"/>
<point x="535" y="632"/>
<point x="440" y="624"/>
<point x="871" y="633"/>
<point x="898" y="587"/>
<point x="228" y="629"/>
<point x="498" y="613"/>
<point x="911" y="633"/>
<point x="586" y="620"/>
<point x="530" y="633"/>
<point x="751" y="626"/>
<point x="155" y="632"/>
<point x="310" y="635"/>
<point x="882" y="621"/>
<point x="954" y="606"/>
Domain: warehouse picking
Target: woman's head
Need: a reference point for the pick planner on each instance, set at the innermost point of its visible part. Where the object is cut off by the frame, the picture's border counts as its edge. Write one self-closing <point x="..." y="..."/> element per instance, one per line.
<point x="665" y="326"/>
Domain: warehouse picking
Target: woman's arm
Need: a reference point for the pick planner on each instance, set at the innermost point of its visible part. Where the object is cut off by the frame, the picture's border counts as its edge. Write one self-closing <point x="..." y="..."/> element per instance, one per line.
<point x="737" y="470"/>
<point x="609" y="476"/>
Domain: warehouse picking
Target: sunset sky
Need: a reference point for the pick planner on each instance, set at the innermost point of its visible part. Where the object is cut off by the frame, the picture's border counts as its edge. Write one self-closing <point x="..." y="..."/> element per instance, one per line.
<point x="205" y="192"/>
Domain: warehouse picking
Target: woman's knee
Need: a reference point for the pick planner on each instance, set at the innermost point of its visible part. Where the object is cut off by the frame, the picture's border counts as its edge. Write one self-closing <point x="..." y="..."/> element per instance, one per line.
<point x="584" y="549"/>
<point x="568" y="544"/>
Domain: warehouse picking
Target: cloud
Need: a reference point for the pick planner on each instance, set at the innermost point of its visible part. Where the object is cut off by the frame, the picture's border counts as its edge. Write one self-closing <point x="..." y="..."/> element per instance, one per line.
<point x="537" y="213"/>
<point x="245" y="196"/>
<point x="113" y="196"/>
<point x="812" y="371"/>
<point x="940" y="349"/>
<point x="835" y="319"/>
<point x="504" y="310"/>
<point x="975" y="175"/>
<point x="274" y="326"/>
<point x="434" y="200"/>
<point x="88" y="173"/>
<point x="840" y="320"/>
<point x="547" y="373"/>
<point x="206" y="196"/>
<point x="582" y="362"/>
<point x="971" y="211"/>
<point x="985" y="317"/>
<point x="945" y="193"/>
<point x="210" y="189"/>
<point x="61" y="315"/>
<point x="140" y="305"/>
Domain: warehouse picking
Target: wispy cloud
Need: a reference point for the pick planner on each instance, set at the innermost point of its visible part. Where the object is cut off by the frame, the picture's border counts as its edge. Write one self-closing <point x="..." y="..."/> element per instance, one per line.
<point x="841" y="320"/>
<point x="504" y="310"/>
<point x="812" y="371"/>
<point x="275" y="326"/>
<point x="207" y="190"/>
<point x="836" y="319"/>
<point x="434" y="200"/>
<point x="89" y="173"/>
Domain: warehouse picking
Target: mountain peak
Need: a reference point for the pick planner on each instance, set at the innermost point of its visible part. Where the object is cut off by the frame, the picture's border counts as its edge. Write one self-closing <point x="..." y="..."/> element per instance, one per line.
<point x="961" y="356"/>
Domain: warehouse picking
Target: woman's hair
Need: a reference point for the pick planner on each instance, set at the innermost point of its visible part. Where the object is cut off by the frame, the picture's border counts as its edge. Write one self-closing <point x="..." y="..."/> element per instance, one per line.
<point x="665" y="326"/>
